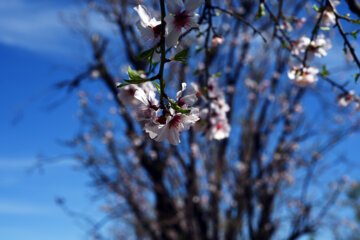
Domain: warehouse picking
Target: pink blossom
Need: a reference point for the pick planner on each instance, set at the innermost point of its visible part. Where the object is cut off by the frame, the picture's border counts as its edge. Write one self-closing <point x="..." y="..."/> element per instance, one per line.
<point x="175" y="123"/>
<point x="303" y="76"/>
<point x="179" y="18"/>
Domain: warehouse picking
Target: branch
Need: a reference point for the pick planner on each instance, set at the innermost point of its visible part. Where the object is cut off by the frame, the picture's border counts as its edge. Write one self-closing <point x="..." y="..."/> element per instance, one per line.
<point x="354" y="6"/>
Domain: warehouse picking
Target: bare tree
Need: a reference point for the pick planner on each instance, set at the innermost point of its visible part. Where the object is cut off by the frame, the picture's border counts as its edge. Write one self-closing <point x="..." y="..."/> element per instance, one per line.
<point x="266" y="179"/>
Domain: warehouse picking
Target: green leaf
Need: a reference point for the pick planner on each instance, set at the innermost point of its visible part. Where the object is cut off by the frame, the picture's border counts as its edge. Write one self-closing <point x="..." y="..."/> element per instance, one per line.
<point x="219" y="74"/>
<point x="355" y="21"/>
<point x="325" y="28"/>
<point x="123" y="85"/>
<point x="134" y="75"/>
<point x="198" y="49"/>
<point x="135" y="78"/>
<point x="177" y="108"/>
<point x="260" y="12"/>
<point x="354" y="34"/>
<point x="284" y="44"/>
<point x="324" y="71"/>
<point x="157" y="86"/>
<point x="146" y="55"/>
<point x="345" y="50"/>
<point x="316" y="8"/>
<point x="182" y="56"/>
<point x="196" y="72"/>
<point x="136" y="81"/>
<point x="357" y="76"/>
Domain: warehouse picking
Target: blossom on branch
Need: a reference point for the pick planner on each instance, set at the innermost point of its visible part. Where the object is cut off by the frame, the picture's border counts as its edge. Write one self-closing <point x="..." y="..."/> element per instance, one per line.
<point x="181" y="16"/>
<point x="328" y="19"/>
<point x="169" y="125"/>
<point x="149" y="28"/>
<point x="317" y="47"/>
<point x="175" y="123"/>
<point x="303" y="76"/>
<point x="149" y="105"/>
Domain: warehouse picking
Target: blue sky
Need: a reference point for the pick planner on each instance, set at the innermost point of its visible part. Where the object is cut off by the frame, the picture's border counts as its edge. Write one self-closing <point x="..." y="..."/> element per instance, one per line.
<point x="37" y="50"/>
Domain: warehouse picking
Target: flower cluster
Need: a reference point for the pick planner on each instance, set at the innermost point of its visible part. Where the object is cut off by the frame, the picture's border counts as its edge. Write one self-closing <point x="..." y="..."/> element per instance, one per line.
<point x="292" y="23"/>
<point x="181" y="16"/>
<point x="214" y="119"/>
<point x="127" y="93"/>
<point x="162" y="124"/>
<point x="303" y="76"/>
<point x="317" y="47"/>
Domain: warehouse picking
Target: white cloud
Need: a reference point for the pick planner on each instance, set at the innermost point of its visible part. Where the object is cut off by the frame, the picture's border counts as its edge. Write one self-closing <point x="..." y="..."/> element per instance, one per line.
<point x="33" y="26"/>
<point x="37" y="26"/>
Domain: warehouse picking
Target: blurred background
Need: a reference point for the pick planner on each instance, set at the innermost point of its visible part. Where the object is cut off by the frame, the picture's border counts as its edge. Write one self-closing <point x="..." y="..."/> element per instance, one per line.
<point x="40" y="47"/>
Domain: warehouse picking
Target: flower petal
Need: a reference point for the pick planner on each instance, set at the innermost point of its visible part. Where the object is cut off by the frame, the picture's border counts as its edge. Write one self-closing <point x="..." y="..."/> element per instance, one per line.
<point x="143" y="13"/>
<point x="141" y="96"/>
<point x="192" y="5"/>
<point x="174" y="6"/>
<point x="172" y="38"/>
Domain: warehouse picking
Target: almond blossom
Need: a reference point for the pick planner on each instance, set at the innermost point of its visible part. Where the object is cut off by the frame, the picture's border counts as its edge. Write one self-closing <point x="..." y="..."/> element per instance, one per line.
<point x="220" y="129"/>
<point x="149" y="28"/>
<point x="213" y="120"/>
<point x="217" y="40"/>
<point x="300" y="45"/>
<point x="317" y="47"/>
<point x="149" y="105"/>
<point x="184" y="101"/>
<point x="328" y="19"/>
<point x="169" y="125"/>
<point x="176" y="123"/>
<point x="286" y="25"/>
<point x="303" y="76"/>
<point x="345" y="100"/>
<point x="127" y="93"/>
<point x="181" y="16"/>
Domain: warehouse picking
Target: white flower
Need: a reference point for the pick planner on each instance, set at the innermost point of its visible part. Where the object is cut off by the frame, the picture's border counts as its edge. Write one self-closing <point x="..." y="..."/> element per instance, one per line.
<point x="219" y="130"/>
<point x="319" y="46"/>
<point x="328" y="18"/>
<point x="346" y="99"/>
<point x="149" y="27"/>
<point x="179" y="18"/>
<point x="300" y="22"/>
<point x="213" y="89"/>
<point x="217" y="40"/>
<point x="149" y="105"/>
<point x="300" y="45"/>
<point x="185" y="101"/>
<point x="220" y="107"/>
<point x="286" y="26"/>
<point x="126" y="93"/>
<point x="175" y="123"/>
<point x="303" y="76"/>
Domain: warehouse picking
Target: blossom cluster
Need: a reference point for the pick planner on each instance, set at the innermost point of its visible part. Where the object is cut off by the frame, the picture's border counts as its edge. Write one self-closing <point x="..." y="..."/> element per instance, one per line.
<point x="167" y="125"/>
<point x="214" y="119"/>
<point x="165" y="121"/>
<point x="305" y="75"/>
<point x="181" y="16"/>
